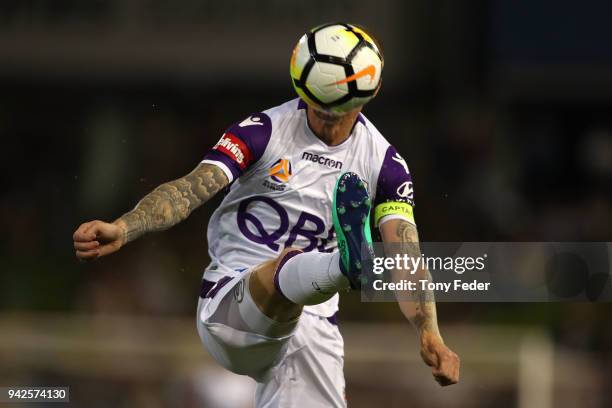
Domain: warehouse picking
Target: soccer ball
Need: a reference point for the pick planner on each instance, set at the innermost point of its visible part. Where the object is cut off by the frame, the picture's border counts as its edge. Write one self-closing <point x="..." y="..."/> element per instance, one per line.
<point x="336" y="67"/>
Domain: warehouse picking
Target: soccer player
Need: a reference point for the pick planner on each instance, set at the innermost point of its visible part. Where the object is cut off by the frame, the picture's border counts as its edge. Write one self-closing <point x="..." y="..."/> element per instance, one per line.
<point x="300" y="184"/>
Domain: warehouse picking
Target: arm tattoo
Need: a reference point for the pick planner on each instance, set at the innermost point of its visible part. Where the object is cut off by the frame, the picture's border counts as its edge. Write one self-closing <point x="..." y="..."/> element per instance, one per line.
<point x="172" y="202"/>
<point x="424" y="318"/>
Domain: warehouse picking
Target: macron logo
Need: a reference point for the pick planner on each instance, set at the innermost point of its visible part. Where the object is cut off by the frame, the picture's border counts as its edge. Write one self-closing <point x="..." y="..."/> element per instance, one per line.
<point x="325" y="161"/>
<point x="250" y="121"/>
<point x="401" y="161"/>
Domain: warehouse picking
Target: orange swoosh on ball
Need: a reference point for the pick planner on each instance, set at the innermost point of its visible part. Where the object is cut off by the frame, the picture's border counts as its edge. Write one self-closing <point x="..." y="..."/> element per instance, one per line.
<point x="369" y="70"/>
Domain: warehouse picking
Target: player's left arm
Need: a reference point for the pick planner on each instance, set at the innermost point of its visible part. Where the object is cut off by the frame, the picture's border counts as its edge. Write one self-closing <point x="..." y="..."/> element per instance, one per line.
<point x="394" y="215"/>
<point x="404" y="239"/>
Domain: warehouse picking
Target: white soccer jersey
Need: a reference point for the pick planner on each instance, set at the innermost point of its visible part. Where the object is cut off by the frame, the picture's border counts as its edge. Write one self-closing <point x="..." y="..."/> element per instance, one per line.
<point x="282" y="181"/>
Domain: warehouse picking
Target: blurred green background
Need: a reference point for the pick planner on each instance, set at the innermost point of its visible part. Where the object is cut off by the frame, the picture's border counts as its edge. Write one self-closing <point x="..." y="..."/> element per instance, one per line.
<point x="501" y="109"/>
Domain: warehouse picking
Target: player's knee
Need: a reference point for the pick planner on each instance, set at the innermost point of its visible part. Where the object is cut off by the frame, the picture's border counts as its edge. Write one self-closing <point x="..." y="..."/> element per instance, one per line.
<point x="263" y="276"/>
<point x="290" y="251"/>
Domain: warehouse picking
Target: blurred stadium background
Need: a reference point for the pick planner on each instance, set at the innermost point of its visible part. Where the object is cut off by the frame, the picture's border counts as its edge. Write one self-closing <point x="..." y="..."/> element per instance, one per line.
<point x="502" y="109"/>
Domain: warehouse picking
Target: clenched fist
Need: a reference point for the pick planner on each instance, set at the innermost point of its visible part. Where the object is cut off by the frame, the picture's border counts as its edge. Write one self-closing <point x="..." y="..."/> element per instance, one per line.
<point x="443" y="361"/>
<point x="97" y="238"/>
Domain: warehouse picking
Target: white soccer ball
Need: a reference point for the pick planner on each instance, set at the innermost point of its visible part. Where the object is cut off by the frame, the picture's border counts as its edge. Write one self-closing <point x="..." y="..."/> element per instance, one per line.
<point x="336" y="67"/>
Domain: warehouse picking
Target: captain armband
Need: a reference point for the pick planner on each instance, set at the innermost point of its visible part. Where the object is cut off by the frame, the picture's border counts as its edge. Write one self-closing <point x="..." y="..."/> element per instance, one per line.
<point x="396" y="209"/>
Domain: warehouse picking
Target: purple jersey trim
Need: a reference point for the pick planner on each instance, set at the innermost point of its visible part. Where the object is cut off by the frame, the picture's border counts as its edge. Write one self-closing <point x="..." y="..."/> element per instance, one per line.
<point x="214" y="155"/>
<point x="255" y="132"/>
<point x="394" y="180"/>
<point x="333" y="319"/>
<point x="283" y="261"/>
<point x="361" y="119"/>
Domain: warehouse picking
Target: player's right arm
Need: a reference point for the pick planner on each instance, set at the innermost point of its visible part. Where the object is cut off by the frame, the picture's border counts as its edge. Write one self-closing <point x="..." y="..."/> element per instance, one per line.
<point x="164" y="207"/>
<point x="240" y="147"/>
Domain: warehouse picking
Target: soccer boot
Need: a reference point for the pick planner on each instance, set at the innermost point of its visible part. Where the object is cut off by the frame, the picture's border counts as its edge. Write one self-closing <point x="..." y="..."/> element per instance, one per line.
<point x="351" y="217"/>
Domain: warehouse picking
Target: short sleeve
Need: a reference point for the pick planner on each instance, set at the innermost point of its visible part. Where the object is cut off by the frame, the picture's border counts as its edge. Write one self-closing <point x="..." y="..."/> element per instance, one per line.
<point x="241" y="146"/>
<point x="394" y="189"/>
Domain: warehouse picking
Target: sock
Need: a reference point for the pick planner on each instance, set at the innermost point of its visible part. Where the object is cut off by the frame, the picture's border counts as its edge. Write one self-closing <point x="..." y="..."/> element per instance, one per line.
<point x="310" y="278"/>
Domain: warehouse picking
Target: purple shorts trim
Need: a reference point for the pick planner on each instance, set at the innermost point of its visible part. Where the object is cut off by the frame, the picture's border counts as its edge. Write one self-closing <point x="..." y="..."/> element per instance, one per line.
<point x="283" y="261"/>
<point x="205" y="290"/>
<point x="209" y="289"/>
<point x="206" y="287"/>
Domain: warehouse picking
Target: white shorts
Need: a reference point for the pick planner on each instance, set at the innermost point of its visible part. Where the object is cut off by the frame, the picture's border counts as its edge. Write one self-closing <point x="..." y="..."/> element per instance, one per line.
<point x="303" y="369"/>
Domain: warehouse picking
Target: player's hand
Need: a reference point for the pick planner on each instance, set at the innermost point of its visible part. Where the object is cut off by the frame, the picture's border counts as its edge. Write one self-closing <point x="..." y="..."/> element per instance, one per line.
<point x="97" y="238"/>
<point x="443" y="361"/>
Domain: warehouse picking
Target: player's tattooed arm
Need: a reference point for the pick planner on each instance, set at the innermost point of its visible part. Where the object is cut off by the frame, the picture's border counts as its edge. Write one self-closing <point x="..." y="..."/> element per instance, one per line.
<point x="164" y="207"/>
<point x="403" y="239"/>
<point x="422" y="313"/>
<point x="172" y="202"/>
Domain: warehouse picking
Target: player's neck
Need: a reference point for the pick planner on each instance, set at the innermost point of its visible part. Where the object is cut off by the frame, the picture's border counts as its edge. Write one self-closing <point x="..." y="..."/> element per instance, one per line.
<point x="332" y="129"/>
